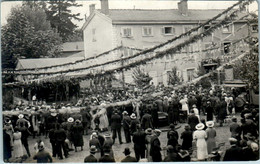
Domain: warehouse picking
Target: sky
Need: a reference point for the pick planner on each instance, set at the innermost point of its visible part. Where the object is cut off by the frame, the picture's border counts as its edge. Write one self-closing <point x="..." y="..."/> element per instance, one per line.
<point x="131" y="4"/>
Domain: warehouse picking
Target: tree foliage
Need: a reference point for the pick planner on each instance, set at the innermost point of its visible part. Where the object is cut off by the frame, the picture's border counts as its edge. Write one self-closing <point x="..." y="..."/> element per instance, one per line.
<point x="60" y="16"/>
<point x="25" y="36"/>
<point x="141" y="78"/>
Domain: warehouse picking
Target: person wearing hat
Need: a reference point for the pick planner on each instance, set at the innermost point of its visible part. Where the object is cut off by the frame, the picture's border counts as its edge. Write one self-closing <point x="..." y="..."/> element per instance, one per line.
<point x="42" y="156"/>
<point x="7" y="147"/>
<point x="128" y="158"/>
<point x="193" y="120"/>
<point x="209" y="111"/>
<point x="155" y="150"/>
<point x="173" y="112"/>
<point x="154" y="113"/>
<point x="116" y="126"/>
<point x="200" y="137"/>
<point x="222" y="112"/>
<point x="250" y="126"/>
<point x="108" y="143"/>
<point x="148" y="137"/>
<point x="126" y="126"/>
<point x="211" y="134"/>
<point x="77" y="135"/>
<point x="234" y="153"/>
<point x="95" y="142"/>
<point x="8" y="127"/>
<point x="235" y="129"/>
<point x="107" y="157"/>
<point x="146" y="121"/>
<point x="139" y="143"/>
<point x="134" y="123"/>
<point x="171" y="155"/>
<point x="22" y="120"/>
<point x="186" y="137"/>
<point x="91" y="158"/>
<point x="60" y="136"/>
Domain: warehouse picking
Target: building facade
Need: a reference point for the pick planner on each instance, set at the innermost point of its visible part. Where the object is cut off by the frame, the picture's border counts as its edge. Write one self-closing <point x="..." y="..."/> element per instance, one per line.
<point x="107" y="28"/>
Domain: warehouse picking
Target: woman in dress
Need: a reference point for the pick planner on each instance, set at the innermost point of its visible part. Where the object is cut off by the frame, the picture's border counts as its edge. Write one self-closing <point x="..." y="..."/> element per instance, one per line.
<point x="184" y="106"/>
<point x="103" y="120"/>
<point x="211" y="133"/>
<point x="17" y="144"/>
<point x="200" y="137"/>
<point x="77" y="135"/>
<point x="8" y="127"/>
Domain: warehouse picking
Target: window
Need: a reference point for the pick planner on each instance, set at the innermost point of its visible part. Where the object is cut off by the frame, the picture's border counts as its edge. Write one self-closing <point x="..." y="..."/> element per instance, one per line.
<point x="227" y="29"/>
<point x="147" y="31"/>
<point x="226" y="47"/>
<point x="127" y="32"/>
<point x="254" y="28"/>
<point x="94" y="35"/>
<point x="168" y="30"/>
<point x="190" y="74"/>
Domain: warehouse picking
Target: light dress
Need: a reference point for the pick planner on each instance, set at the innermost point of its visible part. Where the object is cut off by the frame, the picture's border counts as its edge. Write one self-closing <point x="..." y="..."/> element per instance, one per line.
<point x="17" y="145"/>
<point x="202" y="150"/>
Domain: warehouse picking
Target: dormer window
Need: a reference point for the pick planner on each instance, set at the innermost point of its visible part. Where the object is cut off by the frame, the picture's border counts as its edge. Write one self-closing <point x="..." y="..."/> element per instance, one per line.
<point x="127" y="32"/>
<point x="168" y="30"/>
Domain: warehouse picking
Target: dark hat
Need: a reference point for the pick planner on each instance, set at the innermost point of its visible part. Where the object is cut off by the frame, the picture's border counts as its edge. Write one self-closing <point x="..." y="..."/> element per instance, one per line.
<point x="127" y="151"/>
<point x="93" y="149"/>
<point x="234" y="119"/>
<point x="172" y="126"/>
<point x="187" y="127"/>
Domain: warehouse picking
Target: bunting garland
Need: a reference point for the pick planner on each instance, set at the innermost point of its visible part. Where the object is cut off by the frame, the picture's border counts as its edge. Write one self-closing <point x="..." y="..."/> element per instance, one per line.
<point x="73" y="72"/>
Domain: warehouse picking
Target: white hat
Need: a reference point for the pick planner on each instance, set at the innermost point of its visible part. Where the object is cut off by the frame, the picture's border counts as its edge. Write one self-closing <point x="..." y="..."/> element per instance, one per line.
<point x="52" y="110"/>
<point x="157" y="131"/>
<point x="54" y="114"/>
<point x="200" y="126"/>
<point x="124" y="112"/>
<point x="210" y="124"/>
<point x="70" y="119"/>
<point x="133" y="116"/>
<point x="20" y="116"/>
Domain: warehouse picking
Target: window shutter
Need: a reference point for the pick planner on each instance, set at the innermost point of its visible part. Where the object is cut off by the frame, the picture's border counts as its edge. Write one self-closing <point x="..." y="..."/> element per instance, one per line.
<point x="162" y="30"/>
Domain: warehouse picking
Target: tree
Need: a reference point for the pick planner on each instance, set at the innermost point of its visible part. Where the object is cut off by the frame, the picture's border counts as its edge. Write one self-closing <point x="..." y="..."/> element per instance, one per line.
<point x="141" y="78"/>
<point x="60" y="17"/>
<point x="173" y="77"/>
<point x="21" y="39"/>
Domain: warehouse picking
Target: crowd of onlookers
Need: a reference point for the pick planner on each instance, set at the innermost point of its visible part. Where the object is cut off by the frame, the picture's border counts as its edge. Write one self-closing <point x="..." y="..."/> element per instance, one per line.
<point x="139" y="121"/>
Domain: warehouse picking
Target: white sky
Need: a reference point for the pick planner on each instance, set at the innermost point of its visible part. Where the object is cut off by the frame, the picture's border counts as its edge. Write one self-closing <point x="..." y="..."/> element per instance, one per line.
<point x="131" y="4"/>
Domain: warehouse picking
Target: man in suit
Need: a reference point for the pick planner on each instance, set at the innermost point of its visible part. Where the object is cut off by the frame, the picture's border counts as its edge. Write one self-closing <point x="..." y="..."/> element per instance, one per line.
<point x="235" y="129"/>
<point x="126" y="126"/>
<point x="139" y="143"/>
<point x="234" y="153"/>
<point x="116" y="126"/>
<point x="60" y="135"/>
<point x="193" y="120"/>
<point x="128" y="158"/>
<point x="155" y="150"/>
<point x="91" y="158"/>
<point x="146" y="121"/>
<point x="106" y="157"/>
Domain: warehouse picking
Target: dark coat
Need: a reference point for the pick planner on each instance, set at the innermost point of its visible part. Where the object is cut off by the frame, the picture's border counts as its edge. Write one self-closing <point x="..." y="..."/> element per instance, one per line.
<point x="60" y="135"/>
<point x="155" y="150"/>
<point x="133" y="125"/>
<point x="233" y="154"/>
<point x="209" y="111"/>
<point x="248" y="155"/>
<point x="139" y="140"/>
<point x="77" y="135"/>
<point x="43" y="157"/>
<point x="90" y="158"/>
<point x="115" y="121"/>
<point x="186" y="137"/>
<point x="193" y="121"/>
<point x="129" y="159"/>
<point x="222" y="113"/>
<point x="146" y="121"/>
<point x="7" y="145"/>
<point x="95" y="142"/>
<point x="235" y="130"/>
<point x="172" y="157"/>
<point x="106" y="158"/>
<point x="126" y="122"/>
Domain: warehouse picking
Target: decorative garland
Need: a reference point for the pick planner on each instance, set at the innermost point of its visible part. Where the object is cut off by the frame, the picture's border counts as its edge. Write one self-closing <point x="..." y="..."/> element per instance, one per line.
<point x="145" y="51"/>
<point x="158" y="54"/>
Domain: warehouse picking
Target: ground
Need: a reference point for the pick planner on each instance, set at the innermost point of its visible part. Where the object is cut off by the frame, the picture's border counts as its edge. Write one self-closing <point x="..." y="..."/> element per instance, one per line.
<point x="78" y="157"/>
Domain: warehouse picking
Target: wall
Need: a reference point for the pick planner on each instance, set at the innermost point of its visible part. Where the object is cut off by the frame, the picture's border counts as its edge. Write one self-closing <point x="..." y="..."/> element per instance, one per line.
<point x="102" y="39"/>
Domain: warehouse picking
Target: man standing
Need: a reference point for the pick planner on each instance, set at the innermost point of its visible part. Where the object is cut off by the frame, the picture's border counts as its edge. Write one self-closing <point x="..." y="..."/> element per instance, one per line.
<point x="146" y="121"/>
<point x="234" y="153"/>
<point x="60" y="136"/>
<point x="193" y="120"/>
<point x="116" y="126"/>
<point x="128" y="158"/>
<point x="24" y="138"/>
<point x="126" y="126"/>
<point x="139" y="143"/>
<point x="209" y="111"/>
<point x="91" y="158"/>
<point x="235" y="129"/>
<point x="155" y="150"/>
<point x="42" y="156"/>
<point x="106" y="157"/>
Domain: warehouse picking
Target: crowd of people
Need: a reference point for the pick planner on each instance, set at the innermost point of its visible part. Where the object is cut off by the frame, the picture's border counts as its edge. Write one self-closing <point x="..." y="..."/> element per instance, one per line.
<point x="139" y="121"/>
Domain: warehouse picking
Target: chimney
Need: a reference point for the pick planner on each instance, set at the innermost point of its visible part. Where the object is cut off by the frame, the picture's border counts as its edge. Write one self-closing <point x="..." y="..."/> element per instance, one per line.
<point x="91" y="8"/>
<point x="104" y="7"/>
<point x="183" y="7"/>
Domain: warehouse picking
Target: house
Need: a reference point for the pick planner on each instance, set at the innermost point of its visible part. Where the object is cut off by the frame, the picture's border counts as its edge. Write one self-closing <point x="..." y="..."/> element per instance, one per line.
<point x="107" y="28"/>
<point x="72" y="49"/>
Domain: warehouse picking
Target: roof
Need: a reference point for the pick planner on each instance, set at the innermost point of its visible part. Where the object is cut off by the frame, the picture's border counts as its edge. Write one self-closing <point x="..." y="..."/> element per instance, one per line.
<point x="72" y="46"/>
<point x="168" y="15"/>
<point x="44" y="62"/>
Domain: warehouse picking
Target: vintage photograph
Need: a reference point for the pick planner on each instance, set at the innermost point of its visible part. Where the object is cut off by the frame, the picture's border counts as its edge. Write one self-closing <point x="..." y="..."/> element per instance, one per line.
<point x="129" y="81"/>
